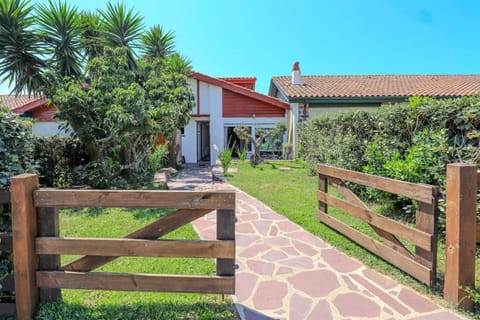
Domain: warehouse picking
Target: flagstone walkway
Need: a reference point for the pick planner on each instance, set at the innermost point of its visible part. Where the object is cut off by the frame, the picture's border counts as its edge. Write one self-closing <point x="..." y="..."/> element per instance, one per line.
<point x="287" y="273"/>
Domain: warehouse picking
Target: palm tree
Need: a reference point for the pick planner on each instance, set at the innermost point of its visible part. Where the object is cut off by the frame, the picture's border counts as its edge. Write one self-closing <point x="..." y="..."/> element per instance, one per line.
<point x="177" y="63"/>
<point x="121" y="28"/>
<point x="21" y="48"/>
<point x="156" y="43"/>
<point x="60" y="28"/>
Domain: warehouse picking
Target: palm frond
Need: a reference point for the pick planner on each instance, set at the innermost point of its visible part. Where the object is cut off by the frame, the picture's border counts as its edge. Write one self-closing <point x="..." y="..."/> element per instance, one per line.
<point x="156" y="43"/>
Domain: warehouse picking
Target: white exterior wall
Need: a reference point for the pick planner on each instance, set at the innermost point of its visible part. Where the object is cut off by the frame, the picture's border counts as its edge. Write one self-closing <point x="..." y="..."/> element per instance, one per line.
<point x="49" y="129"/>
<point x="189" y="142"/>
<point x="216" y="121"/>
<point x="205" y="98"/>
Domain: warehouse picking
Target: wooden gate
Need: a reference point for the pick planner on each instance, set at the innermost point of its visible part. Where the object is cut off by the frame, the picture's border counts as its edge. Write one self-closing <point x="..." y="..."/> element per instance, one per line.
<point x="27" y="200"/>
<point x="422" y="263"/>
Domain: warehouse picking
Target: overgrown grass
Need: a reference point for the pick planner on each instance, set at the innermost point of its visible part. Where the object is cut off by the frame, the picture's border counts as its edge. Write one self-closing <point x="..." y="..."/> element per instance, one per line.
<point x="95" y="304"/>
<point x="292" y="193"/>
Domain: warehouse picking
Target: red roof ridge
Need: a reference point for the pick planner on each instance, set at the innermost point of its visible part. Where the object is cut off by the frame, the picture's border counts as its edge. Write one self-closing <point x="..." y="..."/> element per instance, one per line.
<point x="240" y="90"/>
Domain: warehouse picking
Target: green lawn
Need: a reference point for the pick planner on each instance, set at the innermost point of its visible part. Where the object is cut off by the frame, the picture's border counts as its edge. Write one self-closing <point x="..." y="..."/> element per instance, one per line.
<point x="90" y="304"/>
<point x="292" y="193"/>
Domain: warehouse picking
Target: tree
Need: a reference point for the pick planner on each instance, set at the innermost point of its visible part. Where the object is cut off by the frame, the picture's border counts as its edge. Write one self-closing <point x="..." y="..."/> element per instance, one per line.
<point x="119" y="113"/>
<point x="156" y="43"/>
<point x="244" y="133"/>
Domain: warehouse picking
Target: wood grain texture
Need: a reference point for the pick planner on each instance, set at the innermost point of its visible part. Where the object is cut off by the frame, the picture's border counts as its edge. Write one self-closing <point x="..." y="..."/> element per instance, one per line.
<point x="420" y="238"/>
<point x="135" y="282"/>
<point x="151" y="231"/>
<point x="24" y="227"/>
<point x="460" y="240"/>
<point x="406" y="264"/>
<point x="413" y="191"/>
<point x="388" y="238"/>
<point x="53" y="198"/>
<point x="48" y="225"/>
<point x="226" y="231"/>
<point x="136" y="248"/>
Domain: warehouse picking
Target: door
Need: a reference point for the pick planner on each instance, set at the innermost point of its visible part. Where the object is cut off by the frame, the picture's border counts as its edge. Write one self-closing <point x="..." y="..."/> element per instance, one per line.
<point x="203" y="141"/>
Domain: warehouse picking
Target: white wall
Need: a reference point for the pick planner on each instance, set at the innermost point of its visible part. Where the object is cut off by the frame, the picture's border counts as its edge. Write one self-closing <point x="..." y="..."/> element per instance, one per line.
<point x="49" y="129"/>
<point x="189" y="142"/>
<point x="216" y="121"/>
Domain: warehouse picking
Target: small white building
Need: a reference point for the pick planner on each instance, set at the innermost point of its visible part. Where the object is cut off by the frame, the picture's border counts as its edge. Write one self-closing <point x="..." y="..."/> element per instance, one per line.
<point x="221" y="104"/>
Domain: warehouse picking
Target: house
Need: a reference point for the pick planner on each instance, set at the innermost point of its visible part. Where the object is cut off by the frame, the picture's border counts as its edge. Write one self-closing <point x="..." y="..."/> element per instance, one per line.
<point x="37" y="108"/>
<point x="221" y="104"/>
<point x="312" y="96"/>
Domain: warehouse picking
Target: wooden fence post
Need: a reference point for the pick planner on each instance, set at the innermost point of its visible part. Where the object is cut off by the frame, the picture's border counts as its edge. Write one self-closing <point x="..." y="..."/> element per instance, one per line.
<point x="322" y="186"/>
<point x="24" y="227"/>
<point x="47" y="221"/>
<point x="427" y="220"/>
<point x="225" y="231"/>
<point x="460" y="242"/>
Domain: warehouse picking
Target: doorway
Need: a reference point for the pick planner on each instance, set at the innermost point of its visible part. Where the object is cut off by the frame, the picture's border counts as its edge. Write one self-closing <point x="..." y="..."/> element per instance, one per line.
<point x="203" y="141"/>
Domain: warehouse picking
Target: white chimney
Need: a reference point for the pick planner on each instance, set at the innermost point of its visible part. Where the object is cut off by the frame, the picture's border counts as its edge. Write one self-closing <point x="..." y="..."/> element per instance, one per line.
<point x="296" y="78"/>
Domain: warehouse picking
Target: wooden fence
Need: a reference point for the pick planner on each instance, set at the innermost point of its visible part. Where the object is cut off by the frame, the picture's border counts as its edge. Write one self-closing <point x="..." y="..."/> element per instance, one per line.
<point x="422" y="263"/>
<point x="462" y="232"/>
<point x="6" y="281"/>
<point x="38" y="237"/>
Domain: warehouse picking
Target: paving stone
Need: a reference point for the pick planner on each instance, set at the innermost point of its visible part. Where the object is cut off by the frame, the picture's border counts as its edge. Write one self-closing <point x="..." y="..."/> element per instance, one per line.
<point x="380" y="280"/>
<point x="291" y="251"/>
<point x="284" y="270"/>
<point x="349" y="283"/>
<point x="245" y="227"/>
<point x="274" y="255"/>
<point x="318" y="283"/>
<point x="269" y="295"/>
<point x="202" y="224"/>
<point x="307" y="238"/>
<point x="278" y="241"/>
<point x="262" y="268"/>
<point x="247" y="216"/>
<point x="273" y="231"/>
<point x="305" y="248"/>
<point x="287" y="226"/>
<point x="299" y="307"/>
<point x="443" y="315"/>
<point x="242" y="291"/>
<point x="254" y="250"/>
<point x="246" y="240"/>
<point x="375" y="291"/>
<point x="322" y="311"/>
<point x="300" y="262"/>
<point x="416" y="302"/>
<point x="355" y="305"/>
<point x="340" y="261"/>
<point x="263" y="227"/>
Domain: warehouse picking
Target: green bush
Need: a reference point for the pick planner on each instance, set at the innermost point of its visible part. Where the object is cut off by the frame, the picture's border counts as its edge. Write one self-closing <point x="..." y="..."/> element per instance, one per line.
<point x="16" y="157"/>
<point x="225" y="159"/>
<point x="411" y="142"/>
<point x="158" y="158"/>
<point x="57" y="158"/>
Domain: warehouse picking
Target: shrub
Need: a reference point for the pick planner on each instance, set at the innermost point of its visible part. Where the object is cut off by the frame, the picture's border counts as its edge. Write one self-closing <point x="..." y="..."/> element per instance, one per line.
<point x="16" y="157"/>
<point x="225" y="159"/>
<point x="57" y="158"/>
<point x="411" y="142"/>
<point x="158" y="158"/>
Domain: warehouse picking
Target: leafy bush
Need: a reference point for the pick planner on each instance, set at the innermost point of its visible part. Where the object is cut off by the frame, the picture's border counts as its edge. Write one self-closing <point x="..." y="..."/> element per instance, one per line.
<point x="158" y="158"/>
<point x="411" y="142"/>
<point x="16" y="157"/>
<point x="225" y="159"/>
<point x="57" y="158"/>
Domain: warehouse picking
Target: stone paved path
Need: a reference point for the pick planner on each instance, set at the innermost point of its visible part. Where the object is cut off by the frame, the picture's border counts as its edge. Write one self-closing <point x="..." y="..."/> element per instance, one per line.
<point x="287" y="273"/>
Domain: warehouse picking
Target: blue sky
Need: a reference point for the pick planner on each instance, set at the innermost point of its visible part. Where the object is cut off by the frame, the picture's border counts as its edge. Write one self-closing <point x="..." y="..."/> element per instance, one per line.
<point x="263" y="38"/>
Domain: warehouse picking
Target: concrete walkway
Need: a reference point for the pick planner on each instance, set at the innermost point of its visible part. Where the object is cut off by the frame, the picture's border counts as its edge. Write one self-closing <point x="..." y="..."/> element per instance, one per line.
<point x="287" y="273"/>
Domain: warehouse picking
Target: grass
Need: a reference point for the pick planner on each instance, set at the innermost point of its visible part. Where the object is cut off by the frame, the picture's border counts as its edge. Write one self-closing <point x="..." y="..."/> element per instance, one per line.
<point x="292" y="193"/>
<point x="96" y="304"/>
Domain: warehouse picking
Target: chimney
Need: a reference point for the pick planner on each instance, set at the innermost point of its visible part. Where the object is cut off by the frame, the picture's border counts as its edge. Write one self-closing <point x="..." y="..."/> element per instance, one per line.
<point x="296" y="78"/>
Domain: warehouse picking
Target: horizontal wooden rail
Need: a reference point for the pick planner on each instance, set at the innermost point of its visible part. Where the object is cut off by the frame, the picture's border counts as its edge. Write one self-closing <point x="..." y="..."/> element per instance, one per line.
<point x="53" y="198"/>
<point x="4" y="196"/>
<point x="406" y="264"/>
<point x="413" y="191"/>
<point x="478" y="233"/>
<point x="417" y="237"/>
<point x="135" y="282"/>
<point x="136" y="248"/>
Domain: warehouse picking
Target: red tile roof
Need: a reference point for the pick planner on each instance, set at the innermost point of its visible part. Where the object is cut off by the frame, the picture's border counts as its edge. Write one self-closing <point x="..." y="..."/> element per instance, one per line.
<point x="240" y="90"/>
<point x="13" y="102"/>
<point x="350" y="86"/>
<point x="247" y="82"/>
